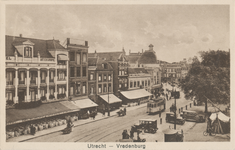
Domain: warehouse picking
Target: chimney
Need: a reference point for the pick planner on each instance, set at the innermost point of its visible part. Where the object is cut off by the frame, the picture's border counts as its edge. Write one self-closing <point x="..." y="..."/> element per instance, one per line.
<point x="95" y="54"/>
<point x="151" y="47"/>
<point x="86" y="43"/>
<point x="129" y="52"/>
<point x="68" y="41"/>
<point x="20" y="35"/>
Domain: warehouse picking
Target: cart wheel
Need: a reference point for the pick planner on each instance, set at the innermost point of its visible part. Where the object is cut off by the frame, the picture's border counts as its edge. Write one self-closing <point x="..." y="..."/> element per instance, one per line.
<point x="205" y="133"/>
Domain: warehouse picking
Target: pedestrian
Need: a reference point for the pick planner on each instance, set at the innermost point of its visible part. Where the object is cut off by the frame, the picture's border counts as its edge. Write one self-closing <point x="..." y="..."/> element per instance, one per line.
<point x="125" y="110"/>
<point x="33" y="129"/>
<point x="124" y="134"/>
<point x="88" y="113"/>
<point x="166" y="96"/>
<point x="103" y="112"/>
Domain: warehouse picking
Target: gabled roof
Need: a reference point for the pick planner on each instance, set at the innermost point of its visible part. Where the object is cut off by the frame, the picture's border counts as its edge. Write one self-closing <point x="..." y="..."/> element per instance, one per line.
<point x="148" y="57"/>
<point x="109" y="56"/>
<point x="133" y="58"/>
<point x="92" y="61"/>
<point x="39" y="45"/>
<point x="100" y="62"/>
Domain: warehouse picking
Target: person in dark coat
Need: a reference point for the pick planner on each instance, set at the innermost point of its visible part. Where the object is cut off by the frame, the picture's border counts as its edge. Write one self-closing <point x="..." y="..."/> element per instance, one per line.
<point x="125" y="110"/>
<point x="33" y="129"/>
<point x="166" y="96"/>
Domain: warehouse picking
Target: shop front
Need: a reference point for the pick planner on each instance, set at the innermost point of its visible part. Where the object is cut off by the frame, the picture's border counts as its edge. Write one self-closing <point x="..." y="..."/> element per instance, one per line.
<point x="135" y="96"/>
<point x="109" y="102"/>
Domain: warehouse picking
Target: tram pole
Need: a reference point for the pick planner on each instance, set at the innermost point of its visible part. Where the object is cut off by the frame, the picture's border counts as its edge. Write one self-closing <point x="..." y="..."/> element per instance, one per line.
<point x="175" y="111"/>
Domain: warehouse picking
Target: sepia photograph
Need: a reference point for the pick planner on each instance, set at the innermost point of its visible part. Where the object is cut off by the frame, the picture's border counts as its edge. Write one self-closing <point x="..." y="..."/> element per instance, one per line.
<point x="107" y="75"/>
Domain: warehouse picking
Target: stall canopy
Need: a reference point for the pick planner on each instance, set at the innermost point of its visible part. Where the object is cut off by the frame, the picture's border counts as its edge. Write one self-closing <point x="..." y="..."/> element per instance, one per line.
<point x="110" y="98"/>
<point x="221" y="123"/>
<point x="45" y="110"/>
<point x="135" y="94"/>
<point x="84" y="103"/>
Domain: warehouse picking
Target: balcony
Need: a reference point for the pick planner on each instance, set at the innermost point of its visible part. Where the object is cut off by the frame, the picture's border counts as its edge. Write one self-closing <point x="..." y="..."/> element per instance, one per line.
<point x="51" y="80"/>
<point x="43" y="81"/>
<point x="22" y="82"/>
<point x="9" y="82"/>
<point x="32" y="81"/>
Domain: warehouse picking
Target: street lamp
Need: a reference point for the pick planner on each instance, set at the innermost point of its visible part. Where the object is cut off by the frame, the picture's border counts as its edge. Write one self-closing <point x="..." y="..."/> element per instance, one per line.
<point x="108" y="96"/>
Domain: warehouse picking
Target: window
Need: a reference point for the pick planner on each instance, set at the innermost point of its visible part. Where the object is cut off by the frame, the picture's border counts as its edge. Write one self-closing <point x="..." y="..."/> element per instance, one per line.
<point x="42" y="92"/>
<point x="109" y="88"/>
<point x="61" y="90"/>
<point x="43" y="77"/>
<point x="100" y="88"/>
<point x="71" y="56"/>
<point x="131" y="84"/>
<point x="134" y="83"/>
<point x="91" y="76"/>
<point x="9" y="96"/>
<point x="145" y="82"/>
<point x="105" y="77"/>
<point x="149" y="82"/>
<point x="109" y="77"/>
<point x="100" y="77"/>
<point x="142" y="83"/>
<point x="51" y="91"/>
<point x="22" y="76"/>
<point x="32" y="95"/>
<point x="71" y="90"/>
<point x="84" y="57"/>
<point x="83" y="71"/>
<point x="27" y="52"/>
<point x="91" y="90"/>
<point x="84" y="88"/>
<point x="51" y="76"/>
<point x="9" y="78"/>
<point x="105" y="66"/>
<point x="78" y="71"/>
<point x="78" y="88"/>
<point x="71" y="71"/>
<point x="120" y="72"/>
<point x="120" y="85"/>
<point x="61" y="75"/>
<point x="78" y="58"/>
<point x="105" y="88"/>
<point x="138" y="83"/>
<point x="33" y="76"/>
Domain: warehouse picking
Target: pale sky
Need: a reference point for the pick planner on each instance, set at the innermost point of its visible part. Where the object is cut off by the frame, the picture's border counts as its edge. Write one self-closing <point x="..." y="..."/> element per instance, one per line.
<point x="176" y="31"/>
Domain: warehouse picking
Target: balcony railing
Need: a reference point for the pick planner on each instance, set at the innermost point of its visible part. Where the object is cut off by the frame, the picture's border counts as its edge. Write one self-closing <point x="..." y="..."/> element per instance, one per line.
<point x="21" y="82"/>
<point x="9" y="82"/>
<point x="32" y="81"/>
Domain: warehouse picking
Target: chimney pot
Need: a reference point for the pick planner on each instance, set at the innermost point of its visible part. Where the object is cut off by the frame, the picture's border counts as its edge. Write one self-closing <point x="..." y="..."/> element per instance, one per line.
<point x="20" y="35"/>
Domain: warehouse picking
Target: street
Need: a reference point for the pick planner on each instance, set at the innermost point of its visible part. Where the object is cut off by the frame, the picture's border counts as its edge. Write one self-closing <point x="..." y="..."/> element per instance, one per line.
<point x="110" y="129"/>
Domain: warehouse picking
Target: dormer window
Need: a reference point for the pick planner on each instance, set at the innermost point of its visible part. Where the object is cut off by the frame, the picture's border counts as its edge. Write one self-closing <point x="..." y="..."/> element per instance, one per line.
<point x="28" y="51"/>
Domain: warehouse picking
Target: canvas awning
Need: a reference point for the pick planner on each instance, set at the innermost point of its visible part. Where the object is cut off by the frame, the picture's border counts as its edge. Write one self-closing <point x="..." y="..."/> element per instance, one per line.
<point x="45" y="110"/>
<point x="135" y="94"/>
<point x="221" y="117"/>
<point x="110" y="98"/>
<point x="63" y="57"/>
<point x="84" y="103"/>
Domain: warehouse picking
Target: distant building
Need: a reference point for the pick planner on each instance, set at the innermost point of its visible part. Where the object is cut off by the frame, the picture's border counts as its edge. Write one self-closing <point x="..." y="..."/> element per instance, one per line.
<point x="119" y="64"/>
<point x="148" y="60"/>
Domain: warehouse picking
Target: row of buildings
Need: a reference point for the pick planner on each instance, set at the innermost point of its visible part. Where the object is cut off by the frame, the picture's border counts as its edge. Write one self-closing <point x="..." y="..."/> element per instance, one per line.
<point x="44" y="70"/>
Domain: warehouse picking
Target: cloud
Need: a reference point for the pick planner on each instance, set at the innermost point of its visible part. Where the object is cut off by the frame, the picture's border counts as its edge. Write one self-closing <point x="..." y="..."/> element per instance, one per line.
<point x="207" y="38"/>
<point x="72" y="25"/>
<point x="24" y="25"/>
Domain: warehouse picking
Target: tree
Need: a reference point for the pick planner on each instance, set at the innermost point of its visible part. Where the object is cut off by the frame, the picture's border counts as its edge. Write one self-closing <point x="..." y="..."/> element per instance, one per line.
<point x="209" y="78"/>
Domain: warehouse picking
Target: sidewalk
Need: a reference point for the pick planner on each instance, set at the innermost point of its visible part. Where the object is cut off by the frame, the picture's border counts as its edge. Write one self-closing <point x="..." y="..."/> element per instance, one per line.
<point x="99" y="116"/>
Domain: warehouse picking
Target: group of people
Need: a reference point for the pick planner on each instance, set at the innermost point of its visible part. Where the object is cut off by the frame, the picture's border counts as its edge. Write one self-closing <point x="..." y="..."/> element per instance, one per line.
<point x="92" y="114"/>
<point x="125" y="134"/>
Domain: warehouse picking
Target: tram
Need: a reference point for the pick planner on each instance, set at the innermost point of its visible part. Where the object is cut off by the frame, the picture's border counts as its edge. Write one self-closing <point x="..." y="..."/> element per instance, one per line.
<point x="156" y="105"/>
